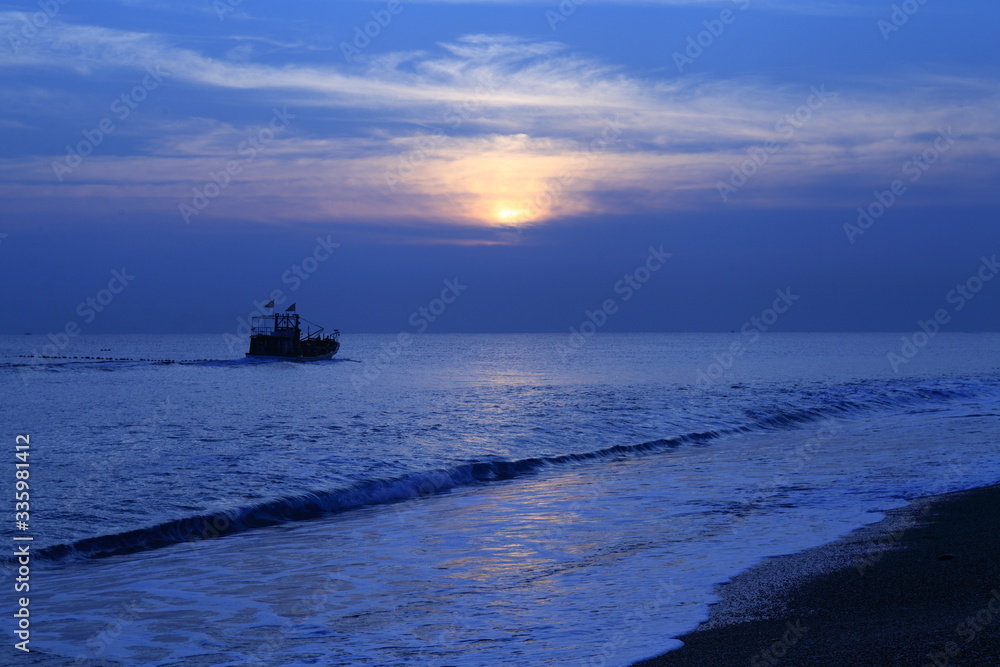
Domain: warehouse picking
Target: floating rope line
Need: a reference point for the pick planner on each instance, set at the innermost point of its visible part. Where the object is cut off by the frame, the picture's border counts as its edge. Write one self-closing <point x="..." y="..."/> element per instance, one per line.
<point x="158" y="361"/>
<point x="155" y="361"/>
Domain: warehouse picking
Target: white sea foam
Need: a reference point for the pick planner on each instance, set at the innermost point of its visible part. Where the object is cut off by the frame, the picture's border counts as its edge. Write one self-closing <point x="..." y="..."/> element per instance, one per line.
<point x="594" y="564"/>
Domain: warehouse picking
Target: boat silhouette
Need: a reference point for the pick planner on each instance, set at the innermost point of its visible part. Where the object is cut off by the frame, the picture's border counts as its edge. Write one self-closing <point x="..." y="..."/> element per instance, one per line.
<point x="280" y="336"/>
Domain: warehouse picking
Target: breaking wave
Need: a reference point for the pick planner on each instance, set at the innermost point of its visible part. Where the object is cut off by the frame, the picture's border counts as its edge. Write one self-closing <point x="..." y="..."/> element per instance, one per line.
<point x="192" y="529"/>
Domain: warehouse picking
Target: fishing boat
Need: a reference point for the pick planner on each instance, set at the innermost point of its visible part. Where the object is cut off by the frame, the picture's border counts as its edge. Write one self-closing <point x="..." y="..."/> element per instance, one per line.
<point x="281" y="336"/>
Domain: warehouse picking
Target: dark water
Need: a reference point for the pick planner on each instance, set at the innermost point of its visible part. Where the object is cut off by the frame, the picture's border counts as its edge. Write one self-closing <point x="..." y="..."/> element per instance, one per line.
<point x="463" y="499"/>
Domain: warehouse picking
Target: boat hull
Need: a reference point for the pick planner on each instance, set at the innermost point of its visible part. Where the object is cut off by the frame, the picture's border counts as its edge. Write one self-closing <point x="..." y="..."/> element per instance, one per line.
<point x="279" y="336"/>
<point x="274" y="357"/>
<point x="323" y="354"/>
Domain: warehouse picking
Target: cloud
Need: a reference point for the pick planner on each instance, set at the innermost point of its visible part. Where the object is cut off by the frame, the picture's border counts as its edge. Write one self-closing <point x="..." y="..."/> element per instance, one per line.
<point x="789" y="5"/>
<point x="492" y="130"/>
<point x="810" y="7"/>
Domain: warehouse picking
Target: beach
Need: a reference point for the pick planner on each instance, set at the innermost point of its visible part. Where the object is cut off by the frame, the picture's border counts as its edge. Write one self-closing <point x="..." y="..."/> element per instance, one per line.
<point x="921" y="587"/>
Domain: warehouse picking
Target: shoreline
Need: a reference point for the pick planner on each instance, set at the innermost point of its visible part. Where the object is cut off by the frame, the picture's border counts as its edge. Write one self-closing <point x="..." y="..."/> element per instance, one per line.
<point x="920" y="587"/>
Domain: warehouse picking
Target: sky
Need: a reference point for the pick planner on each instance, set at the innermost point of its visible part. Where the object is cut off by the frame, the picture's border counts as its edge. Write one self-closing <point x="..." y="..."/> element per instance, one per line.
<point x="168" y="166"/>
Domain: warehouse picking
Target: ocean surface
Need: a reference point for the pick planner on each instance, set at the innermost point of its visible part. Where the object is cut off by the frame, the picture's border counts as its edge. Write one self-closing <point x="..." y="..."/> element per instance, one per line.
<point x="457" y="499"/>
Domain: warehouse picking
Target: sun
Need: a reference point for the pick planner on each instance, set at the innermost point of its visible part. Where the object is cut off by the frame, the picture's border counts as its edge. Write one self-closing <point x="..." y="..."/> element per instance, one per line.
<point x="511" y="214"/>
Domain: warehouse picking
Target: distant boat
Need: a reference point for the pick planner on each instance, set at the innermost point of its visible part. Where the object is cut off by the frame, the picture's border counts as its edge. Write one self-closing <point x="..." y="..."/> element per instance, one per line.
<point x="280" y="336"/>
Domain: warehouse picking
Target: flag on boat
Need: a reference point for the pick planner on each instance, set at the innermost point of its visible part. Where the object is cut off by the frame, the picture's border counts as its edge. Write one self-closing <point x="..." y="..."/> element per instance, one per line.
<point x="269" y="304"/>
<point x="290" y="309"/>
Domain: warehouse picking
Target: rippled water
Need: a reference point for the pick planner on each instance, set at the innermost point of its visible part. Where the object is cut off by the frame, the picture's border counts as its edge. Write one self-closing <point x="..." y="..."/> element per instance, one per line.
<point x="466" y="500"/>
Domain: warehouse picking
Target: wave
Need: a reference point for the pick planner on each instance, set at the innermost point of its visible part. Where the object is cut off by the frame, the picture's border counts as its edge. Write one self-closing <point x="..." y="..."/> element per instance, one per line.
<point x="318" y="503"/>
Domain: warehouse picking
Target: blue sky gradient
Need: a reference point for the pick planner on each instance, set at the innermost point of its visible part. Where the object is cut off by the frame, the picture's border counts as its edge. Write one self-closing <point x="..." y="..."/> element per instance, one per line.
<point x="535" y="151"/>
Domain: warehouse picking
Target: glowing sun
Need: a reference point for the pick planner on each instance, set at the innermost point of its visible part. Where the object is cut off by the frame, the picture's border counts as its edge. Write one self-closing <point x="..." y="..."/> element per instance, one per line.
<point x="509" y="214"/>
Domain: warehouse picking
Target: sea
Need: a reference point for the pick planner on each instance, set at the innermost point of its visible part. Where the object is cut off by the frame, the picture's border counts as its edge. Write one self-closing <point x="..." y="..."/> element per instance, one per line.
<point x="467" y="500"/>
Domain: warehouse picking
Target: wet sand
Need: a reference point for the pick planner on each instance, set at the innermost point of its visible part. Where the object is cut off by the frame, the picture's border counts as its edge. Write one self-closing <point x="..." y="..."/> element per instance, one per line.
<point x="920" y="588"/>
